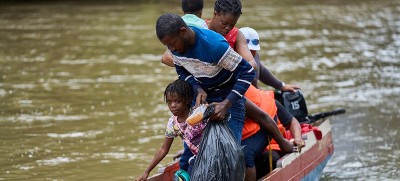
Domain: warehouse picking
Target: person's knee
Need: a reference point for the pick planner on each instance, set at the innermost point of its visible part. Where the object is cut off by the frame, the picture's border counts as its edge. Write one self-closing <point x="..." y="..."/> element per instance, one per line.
<point x="250" y="174"/>
<point x="249" y="158"/>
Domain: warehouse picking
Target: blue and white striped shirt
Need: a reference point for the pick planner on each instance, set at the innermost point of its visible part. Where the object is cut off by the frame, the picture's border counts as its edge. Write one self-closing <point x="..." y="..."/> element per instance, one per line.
<point x="211" y="64"/>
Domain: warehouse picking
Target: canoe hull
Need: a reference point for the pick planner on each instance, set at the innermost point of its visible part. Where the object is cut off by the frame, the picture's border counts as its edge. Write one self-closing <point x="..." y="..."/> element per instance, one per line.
<point x="166" y="173"/>
<point x="307" y="165"/>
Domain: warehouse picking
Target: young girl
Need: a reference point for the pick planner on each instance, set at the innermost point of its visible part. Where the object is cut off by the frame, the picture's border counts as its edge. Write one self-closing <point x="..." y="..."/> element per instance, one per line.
<point x="178" y="96"/>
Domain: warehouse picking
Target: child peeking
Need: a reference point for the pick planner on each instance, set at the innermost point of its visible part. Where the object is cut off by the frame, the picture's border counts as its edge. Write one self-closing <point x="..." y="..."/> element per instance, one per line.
<point x="178" y="96"/>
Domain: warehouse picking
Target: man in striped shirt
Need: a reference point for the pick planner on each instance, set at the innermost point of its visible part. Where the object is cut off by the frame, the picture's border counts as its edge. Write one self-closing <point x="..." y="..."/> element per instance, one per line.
<point x="215" y="71"/>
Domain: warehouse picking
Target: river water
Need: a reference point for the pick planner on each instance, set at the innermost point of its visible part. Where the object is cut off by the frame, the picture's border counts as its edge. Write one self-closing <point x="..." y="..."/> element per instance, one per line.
<point x="81" y="84"/>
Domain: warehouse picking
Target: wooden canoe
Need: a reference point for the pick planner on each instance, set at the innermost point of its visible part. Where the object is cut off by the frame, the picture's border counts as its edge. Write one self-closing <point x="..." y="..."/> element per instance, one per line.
<point x="306" y="165"/>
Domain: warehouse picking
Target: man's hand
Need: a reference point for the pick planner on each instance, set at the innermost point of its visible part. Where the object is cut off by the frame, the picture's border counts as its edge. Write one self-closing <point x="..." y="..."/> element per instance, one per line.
<point x="220" y="109"/>
<point x="286" y="146"/>
<point x="299" y="143"/>
<point x="289" y="87"/>
<point x="201" y="97"/>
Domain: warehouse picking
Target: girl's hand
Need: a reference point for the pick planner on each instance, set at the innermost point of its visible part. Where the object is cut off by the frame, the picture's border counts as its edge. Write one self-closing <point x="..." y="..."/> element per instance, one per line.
<point x="143" y="177"/>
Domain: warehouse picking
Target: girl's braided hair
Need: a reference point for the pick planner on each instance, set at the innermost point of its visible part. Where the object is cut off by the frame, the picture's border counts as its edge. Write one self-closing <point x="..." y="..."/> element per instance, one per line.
<point x="181" y="89"/>
<point x="228" y="6"/>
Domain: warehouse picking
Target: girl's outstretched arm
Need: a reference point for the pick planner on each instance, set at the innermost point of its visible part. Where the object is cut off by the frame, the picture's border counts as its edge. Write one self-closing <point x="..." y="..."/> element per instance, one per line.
<point x="157" y="158"/>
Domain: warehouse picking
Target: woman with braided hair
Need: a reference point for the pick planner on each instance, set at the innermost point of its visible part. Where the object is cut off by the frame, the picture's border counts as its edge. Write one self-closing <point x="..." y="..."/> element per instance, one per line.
<point x="226" y="15"/>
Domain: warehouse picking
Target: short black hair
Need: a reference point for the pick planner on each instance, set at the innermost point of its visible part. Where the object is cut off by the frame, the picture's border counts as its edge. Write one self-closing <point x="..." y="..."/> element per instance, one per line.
<point x="192" y="6"/>
<point x="169" y="25"/>
<point x="228" y="6"/>
<point x="180" y="88"/>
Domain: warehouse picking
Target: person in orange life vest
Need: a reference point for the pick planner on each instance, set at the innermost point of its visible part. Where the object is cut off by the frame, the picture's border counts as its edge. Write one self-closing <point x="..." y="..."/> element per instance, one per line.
<point x="253" y="40"/>
<point x="255" y="139"/>
<point x="251" y="127"/>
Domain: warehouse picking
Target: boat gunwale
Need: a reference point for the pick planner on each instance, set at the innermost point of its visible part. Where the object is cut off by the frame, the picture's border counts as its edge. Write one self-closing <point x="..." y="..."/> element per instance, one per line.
<point x="325" y="144"/>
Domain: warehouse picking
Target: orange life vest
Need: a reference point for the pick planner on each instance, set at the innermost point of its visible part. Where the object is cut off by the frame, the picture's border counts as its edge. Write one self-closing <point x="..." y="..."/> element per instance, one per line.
<point x="273" y="144"/>
<point x="264" y="100"/>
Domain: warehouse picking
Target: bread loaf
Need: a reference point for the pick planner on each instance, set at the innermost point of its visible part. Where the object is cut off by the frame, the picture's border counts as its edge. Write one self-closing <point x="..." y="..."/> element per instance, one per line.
<point x="195" y="118"/>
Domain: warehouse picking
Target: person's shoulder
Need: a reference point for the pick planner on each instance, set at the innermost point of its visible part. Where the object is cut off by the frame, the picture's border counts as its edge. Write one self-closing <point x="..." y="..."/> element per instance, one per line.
<point x="235" y="29"/>
<point x="190" y="17"/>
<point x="211" y="39"/>
<point x="207" y="32"/>
<point x="193" y="20"/>
<point x="171" y="120"/>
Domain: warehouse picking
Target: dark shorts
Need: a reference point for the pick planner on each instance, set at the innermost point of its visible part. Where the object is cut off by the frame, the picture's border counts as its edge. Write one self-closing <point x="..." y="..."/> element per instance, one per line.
<point x="254" y="146"/>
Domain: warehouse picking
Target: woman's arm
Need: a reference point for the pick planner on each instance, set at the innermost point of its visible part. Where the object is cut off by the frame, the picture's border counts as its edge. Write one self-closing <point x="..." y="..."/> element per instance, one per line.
<point x="290" y="123"/>
<point x="295" y="129"/>
<point x="268" y="78"/>
<point x="157" y="158"/>
<point x="167" y="59"/>
<point x="243" y="49"/>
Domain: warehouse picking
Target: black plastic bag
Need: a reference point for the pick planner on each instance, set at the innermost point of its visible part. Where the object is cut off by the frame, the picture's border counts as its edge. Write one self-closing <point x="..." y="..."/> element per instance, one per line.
<point x="219" y="157"/>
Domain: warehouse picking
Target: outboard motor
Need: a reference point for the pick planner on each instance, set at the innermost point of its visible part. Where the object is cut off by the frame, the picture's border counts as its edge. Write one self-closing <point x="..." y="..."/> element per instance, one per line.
<point x="295" y="103"/>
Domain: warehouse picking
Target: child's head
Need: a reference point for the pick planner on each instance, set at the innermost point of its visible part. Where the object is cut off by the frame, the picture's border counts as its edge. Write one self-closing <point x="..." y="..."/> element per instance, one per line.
<point x="253" y="40"/>
<point x="178" y="95"/>
<point x="193" y="7"/>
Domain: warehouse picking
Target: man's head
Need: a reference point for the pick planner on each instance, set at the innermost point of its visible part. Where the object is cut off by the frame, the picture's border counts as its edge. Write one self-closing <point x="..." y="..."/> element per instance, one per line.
<point x="226" y="15"/>
<point x="172" y="31"/>
<point x="193" y="7"/>
<point x="252" y="38"/>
